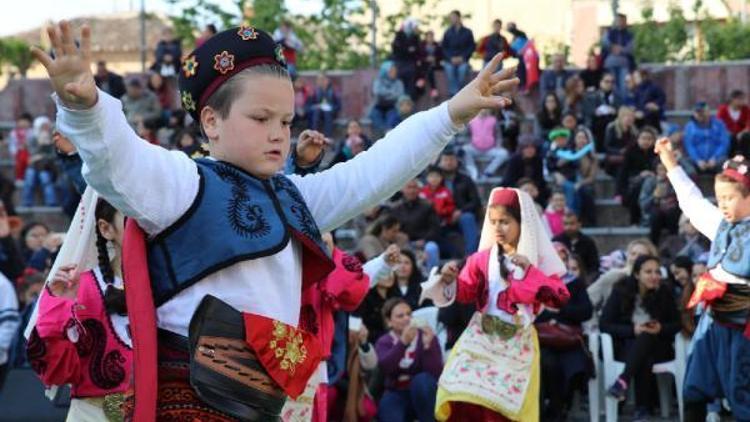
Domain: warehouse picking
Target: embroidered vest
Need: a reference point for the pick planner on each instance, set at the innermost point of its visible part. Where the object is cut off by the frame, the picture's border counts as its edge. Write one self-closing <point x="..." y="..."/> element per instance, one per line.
<point x="731" y="248"/>
<point x="234" y="217"/>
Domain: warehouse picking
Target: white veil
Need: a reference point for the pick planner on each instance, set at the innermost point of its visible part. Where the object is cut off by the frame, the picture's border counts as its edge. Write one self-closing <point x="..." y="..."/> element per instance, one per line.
<point x="534" y="243"/>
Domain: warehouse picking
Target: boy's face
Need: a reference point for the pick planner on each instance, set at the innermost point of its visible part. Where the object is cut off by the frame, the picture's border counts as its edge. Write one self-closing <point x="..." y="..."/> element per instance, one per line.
<point x="558" y="202"/>
<point x="434" y="179"/>
<point x="734" y="207"/>
<point x="255" y="134"/>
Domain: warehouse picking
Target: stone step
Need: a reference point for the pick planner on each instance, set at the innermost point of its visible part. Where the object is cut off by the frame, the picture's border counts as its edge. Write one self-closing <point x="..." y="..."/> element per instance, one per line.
<point x="610" y="212"/>
<point x="53" y="217"/>
<point x="609" y="239"/>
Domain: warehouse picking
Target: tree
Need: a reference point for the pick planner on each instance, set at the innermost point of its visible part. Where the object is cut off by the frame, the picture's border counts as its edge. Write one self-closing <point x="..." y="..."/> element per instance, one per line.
<point x="194" y="14"/>
<point x="16" y="53"/>
<point x="655" y="43"/>
<point x="725" y="40"/>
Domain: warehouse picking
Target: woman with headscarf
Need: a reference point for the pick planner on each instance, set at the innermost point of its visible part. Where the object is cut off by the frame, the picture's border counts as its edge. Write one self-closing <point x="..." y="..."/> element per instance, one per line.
<point x="386" y="91"/>
<point x="493" y="371"/>
<point x="407" y="56"/>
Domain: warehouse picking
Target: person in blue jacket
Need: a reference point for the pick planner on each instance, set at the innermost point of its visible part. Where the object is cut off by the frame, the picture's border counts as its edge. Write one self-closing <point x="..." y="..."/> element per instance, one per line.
<point x="458" y="46"/>
<point x="706" y="139"/>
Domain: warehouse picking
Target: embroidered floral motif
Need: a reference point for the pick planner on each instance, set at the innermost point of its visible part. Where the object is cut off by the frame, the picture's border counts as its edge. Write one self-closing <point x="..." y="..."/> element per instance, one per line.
<point x="188" y="103"/>
<point x="308" y="320"/>
<point x="189" y="66"/>
<point x="106" y="369"/>
<point x="246" y="219"/>
<point x="224" y="62"/>
<point x="247" y="33"/>
<point x="280" y="54"/>
<point x="351" y="264"/>
<point x="299" y="210"/>
<point x="288" y="346"/>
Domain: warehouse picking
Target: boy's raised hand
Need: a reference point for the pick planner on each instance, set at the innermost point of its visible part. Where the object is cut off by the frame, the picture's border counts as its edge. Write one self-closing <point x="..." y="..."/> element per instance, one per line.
<point x="485" y="91"/>
<point x="663" y="148"/>
<point x="70" y="70"/>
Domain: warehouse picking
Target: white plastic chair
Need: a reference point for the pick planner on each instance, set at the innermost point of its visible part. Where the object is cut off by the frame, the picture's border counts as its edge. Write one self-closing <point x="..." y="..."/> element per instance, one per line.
<point x="612" y="369"/>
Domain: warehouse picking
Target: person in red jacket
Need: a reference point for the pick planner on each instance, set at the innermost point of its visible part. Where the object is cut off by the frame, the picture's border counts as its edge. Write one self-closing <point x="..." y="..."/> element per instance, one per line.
<point x="440" y="197"/>
<point x="735" y="114"/>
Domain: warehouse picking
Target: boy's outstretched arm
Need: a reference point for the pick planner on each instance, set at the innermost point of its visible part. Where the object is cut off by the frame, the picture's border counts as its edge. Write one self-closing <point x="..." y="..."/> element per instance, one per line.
<point x="334" y="196"/>
<point x="704" y="215"/>
<point x="144" y="181"/>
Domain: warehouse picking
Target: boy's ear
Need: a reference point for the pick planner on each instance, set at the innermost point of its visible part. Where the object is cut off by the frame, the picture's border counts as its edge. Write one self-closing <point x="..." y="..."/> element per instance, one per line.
<point x="210" y="121"/>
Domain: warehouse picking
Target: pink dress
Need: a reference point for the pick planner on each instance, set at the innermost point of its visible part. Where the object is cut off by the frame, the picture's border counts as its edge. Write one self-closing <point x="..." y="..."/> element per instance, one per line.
<point x="76" y="342"/>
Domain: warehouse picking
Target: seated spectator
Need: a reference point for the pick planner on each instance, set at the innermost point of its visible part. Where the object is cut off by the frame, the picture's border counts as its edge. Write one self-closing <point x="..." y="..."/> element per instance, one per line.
<point x="639" y="164"/>
<point x="409" y="279"/>
<point x="619" y="135"/>
<point x="419" y="221"/>
<point x="688" y="242"/>
<point x="371" y="309"/>
<point x="600" y="289"/>
<point x="484" y="143"/>
<point x="650" y="100"/>
<point x="579" y="244"/>
<point x="438" y="195"/>
<point x="510" y="120"/>
<point x="167" y="135"/>
<point x="189" y="143"/>
<point x="617" y="49"/>
<point x="139" y="104"/>
<point x="385" y="231"/>
<point x="576" y="173"/>
<point x="406" y="54"/>
<point x="41" y="170"/>
<point x="168" y="66"/>
<point x="549" y="117"/>
<point x="526" y="163"/>
<point x="570" y="122"/>
<point x="642" y="318"/>
<point x="553" y="79"/>
<point x="301" y="93"/>
<point x="735" y="115"/>
<point x="432" y="58"/>
<point x="659" y="207"/>
<point x="11" y="260"/>
<point x="350" y="399"/>
<point x="165" y="94"/>
<point x="290" y="44"/>
<point x="322" y="106"/>
<point x="458" y="46"/>
<point x="574" y="95"/>
<point x="600" y="109"/>
<point x="466" y="196"/>
<point x="107" y="81"/>
<point x="564" y="368"/>
<point x="404" y="109"/>
<point x="681" y="276"/>
<point x="558" y="167"/>
<point x="592" y="74"/>
<point x="32" y="239"/>
<point x="18" y="144"/>
<point x="706" y="140"/>
<point x="9" y="322"/>
<point x="355" y="143"/>
<point x="555" y="212"/>
<point x="410" y="359"/>
<point x="386" y="90"/>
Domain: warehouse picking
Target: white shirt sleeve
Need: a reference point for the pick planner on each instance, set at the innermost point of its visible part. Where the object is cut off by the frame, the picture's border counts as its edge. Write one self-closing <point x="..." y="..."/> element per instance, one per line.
<point x="337" y="195"/>
<point x="144" y="181"/>
<point x="703" y="215"/>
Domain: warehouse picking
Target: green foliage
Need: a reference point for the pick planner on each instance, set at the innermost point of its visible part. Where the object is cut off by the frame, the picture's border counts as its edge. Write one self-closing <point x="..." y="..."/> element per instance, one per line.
<point x="17" y="54"/>
<point x="550" y="49"/>
<point x="195" y="14"/>
<point x="655" y="43"/>
<point x="726" y="40"/>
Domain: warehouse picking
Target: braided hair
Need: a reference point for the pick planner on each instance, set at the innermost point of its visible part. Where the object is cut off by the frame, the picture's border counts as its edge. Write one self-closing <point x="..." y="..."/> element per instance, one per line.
<point x="114" y="298"/>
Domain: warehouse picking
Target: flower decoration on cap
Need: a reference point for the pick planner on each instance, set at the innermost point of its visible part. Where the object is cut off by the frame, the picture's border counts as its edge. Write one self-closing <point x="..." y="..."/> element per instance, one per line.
<point x="224" y="62"/>
<point x="189" y="66"/>
<point x="280" y="54"/>
<point x="247" y="33"/>
<point x="737" y="169"/>
<point x="188" y="103"/>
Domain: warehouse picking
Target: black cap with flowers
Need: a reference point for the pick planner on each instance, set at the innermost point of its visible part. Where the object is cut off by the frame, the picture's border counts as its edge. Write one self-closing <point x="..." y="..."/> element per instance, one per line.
<point x="222" y="56"/>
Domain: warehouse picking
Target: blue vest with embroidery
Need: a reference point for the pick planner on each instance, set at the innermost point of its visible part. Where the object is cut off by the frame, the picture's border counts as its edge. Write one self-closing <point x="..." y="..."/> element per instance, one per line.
<point x="731" y="248"/>
<point x="234" y="217"/>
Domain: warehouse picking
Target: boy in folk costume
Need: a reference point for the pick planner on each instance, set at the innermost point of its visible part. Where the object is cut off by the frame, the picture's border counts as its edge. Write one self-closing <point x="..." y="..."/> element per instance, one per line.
<point x="719" y="365"/>
<point x="492" y="373"/>
<point x="229" y="243"/>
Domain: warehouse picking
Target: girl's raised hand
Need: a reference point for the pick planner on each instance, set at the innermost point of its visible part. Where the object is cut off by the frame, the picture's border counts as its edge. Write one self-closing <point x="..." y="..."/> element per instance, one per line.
<point x="70" y="69"/>
<point x="485" y="91"/>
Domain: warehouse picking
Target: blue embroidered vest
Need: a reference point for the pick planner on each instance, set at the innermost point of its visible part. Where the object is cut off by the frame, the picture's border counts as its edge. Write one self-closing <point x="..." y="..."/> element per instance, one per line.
<point x="234" y="217"/>
<point x="731" y="248"/>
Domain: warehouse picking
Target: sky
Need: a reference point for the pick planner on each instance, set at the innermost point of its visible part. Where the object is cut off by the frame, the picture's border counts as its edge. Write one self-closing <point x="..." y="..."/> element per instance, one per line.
<point x="33" y="13"/>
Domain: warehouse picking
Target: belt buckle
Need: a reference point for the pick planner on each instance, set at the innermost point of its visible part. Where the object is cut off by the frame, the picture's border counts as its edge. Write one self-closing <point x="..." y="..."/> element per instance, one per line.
<point x="495" y="326"/>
